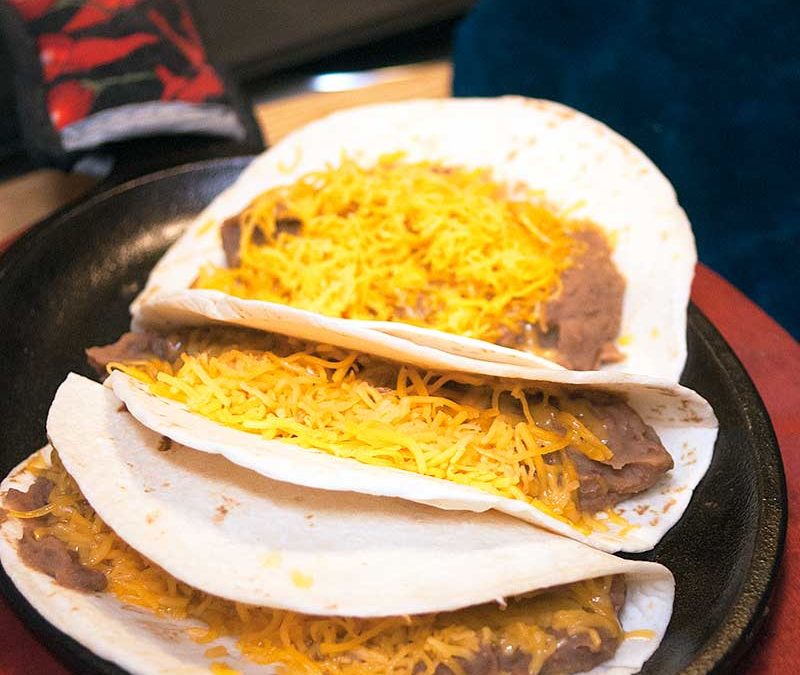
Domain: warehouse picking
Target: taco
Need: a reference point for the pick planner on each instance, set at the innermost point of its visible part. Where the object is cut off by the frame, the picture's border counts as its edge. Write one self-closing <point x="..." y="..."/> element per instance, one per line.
<point x="163" y="559"/>
<point x="605" y="459"/>
<point x="510" y="230"/>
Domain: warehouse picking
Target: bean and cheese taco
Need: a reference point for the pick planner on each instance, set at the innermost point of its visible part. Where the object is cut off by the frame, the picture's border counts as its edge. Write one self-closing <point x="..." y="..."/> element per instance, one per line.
<point x="595" y="456"/>
<point x="162" y="559"/>
<point x="510" y="230"/>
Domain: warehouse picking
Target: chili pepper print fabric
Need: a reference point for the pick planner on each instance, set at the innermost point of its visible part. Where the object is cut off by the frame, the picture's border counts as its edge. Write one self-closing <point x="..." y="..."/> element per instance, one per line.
<point x="97" y="55"/>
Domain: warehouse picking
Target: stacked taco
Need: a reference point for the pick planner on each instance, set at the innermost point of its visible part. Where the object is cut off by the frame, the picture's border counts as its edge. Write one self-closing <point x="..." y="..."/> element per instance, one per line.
<point x="373" y="414"/>
<point x="509" y="230"/>
<point x="599" y="457"/>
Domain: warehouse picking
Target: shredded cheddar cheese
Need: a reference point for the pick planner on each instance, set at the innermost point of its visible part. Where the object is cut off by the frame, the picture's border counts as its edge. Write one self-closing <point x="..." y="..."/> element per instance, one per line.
<point x="498" y="436"/>
<point x="330" y="645"/>
<point x="443" y="247"/>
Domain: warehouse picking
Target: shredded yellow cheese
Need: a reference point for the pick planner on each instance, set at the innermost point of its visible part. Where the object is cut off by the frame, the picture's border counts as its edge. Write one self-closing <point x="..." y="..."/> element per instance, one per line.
<point x="436" y="246"/>
<point x="502" y="437"/>
<point x="329" y="645"/>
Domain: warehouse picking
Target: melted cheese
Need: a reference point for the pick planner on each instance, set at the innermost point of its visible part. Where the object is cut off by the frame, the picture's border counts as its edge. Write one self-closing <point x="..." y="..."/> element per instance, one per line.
<point x="498" y="436"/>
<point x="435" y="246"/>
<point x="328" y="644"/>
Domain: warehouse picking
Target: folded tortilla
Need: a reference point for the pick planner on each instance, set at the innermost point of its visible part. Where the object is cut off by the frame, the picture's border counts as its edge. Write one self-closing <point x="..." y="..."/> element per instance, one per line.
<point x="231" y="533"/>
<point x="581" y="166"/>
<point x="683" y="421"/>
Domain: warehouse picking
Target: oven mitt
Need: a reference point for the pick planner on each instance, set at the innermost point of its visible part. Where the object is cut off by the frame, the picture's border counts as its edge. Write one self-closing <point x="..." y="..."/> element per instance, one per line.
<point x="89" y="72"/>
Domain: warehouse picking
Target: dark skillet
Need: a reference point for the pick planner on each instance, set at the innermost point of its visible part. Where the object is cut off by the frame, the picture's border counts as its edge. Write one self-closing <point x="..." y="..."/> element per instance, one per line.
<point x="67" y="284"/>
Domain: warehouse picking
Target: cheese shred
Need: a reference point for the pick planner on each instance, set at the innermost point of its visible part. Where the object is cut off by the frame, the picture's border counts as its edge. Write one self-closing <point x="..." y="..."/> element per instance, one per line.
<point x="444" y="247"/>
<point x="330" y="645"/>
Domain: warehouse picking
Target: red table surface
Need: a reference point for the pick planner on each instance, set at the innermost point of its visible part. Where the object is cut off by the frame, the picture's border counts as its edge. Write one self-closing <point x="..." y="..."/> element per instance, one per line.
<point x="770" y="355"/>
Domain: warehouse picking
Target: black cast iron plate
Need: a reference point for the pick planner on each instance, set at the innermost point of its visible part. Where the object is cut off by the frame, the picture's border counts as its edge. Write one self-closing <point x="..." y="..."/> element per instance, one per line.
<point x="67" y="285"/>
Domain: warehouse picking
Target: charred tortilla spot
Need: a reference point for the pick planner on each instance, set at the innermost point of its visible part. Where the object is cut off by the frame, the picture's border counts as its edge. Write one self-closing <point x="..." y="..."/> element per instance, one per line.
<point x="228" y="504"/>
<point x="164" y="444"/>
<point x="222" y="511"/>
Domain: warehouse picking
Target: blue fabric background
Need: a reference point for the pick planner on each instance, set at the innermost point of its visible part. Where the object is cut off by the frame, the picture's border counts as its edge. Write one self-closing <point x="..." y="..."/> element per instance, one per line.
<point x="709" y="90"/>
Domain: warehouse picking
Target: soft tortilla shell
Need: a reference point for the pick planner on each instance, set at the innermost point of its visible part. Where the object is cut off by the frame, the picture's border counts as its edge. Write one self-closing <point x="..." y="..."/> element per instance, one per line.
<point x="578" y="162"/>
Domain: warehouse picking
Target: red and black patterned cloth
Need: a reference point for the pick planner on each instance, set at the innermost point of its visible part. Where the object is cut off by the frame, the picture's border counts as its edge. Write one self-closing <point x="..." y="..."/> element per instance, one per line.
<point x="105" y="70"/>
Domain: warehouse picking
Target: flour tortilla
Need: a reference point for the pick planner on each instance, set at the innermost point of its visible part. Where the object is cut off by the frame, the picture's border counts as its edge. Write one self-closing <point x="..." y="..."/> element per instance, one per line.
<point x="367" y="556"/>
<point x="683" y="420"/>
<point x="578" y="162"/>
